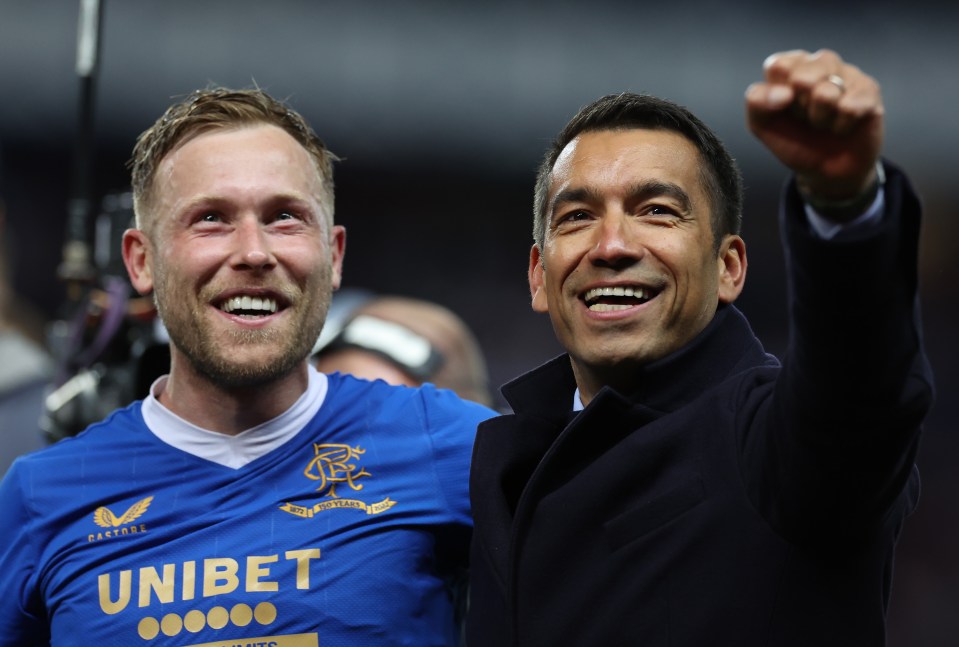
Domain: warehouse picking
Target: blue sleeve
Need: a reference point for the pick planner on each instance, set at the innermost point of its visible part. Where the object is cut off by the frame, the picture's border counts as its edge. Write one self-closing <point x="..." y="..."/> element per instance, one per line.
<point x="21" y="610"/>
<point x="451" y="423"/>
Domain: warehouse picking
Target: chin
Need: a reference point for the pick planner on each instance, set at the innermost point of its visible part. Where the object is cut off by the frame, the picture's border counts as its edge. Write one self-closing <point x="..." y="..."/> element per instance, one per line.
<point x="245" y="376"/>
<point x="618" y="357"/>
<point x="255" y="369"/>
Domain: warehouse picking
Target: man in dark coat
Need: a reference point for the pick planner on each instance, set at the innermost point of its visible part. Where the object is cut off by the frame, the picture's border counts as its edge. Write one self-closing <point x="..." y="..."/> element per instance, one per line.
<point x="667" y="482"/>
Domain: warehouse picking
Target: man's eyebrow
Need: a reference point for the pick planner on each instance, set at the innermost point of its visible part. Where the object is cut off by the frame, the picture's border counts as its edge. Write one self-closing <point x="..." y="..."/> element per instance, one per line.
<point x="277" y="200"/>
<point x="577" y="194"/>
<point x="654" y="188"/>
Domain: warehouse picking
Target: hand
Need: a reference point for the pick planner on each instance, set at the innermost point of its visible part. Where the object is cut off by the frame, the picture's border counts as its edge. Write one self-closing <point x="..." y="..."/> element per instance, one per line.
<point x="823" y="118"/>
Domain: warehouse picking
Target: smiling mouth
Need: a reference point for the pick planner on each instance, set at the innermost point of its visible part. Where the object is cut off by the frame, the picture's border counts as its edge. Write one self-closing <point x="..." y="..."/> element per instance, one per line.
<point x="247" y="306"/>
<point x="606" y="299"/>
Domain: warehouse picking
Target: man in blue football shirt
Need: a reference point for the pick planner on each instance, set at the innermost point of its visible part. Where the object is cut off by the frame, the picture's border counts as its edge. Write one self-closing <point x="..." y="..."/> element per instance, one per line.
<point x="249" y="499"/>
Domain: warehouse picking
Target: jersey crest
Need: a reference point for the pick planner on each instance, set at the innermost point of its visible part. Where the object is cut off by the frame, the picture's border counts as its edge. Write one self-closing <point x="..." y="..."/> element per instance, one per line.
<point x="333" y="465"/>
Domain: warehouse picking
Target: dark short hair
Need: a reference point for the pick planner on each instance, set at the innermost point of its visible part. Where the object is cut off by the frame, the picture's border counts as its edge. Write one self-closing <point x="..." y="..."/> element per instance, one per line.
<point x="625" y="111"/>
<point x="219" y="108"/>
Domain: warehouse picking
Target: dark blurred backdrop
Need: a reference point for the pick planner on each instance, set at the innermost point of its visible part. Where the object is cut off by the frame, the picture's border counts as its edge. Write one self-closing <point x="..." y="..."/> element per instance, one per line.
<point x="442" y="110"/>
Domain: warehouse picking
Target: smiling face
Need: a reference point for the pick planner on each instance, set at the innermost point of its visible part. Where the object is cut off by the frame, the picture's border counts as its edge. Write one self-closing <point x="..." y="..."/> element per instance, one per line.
<point x="629" y="271"/>
<point x="242" y="257"/>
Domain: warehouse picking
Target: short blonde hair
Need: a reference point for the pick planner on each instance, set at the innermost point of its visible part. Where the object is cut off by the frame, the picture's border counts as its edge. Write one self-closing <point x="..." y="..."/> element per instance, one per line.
<point x="218" y="108"/>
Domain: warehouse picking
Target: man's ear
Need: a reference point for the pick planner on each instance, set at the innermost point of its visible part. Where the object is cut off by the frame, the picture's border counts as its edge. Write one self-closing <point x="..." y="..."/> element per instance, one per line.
<point x="732" y="268"/>
<point x="536" y="277"/>
<point x="137" y="256"/>
<point x="337" y="251"/>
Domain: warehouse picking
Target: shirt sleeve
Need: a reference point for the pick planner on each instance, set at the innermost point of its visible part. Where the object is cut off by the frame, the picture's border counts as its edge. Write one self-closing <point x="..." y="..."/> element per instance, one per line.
<point x="21" y="609"/>
<point x="452" y="423"/>
<point x="827" y="229"/>
<point x="865" y="223"/>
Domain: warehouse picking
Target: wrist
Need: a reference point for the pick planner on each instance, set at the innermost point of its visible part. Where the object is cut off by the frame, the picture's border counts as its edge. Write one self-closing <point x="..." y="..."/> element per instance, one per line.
<point x="845" y="210"/>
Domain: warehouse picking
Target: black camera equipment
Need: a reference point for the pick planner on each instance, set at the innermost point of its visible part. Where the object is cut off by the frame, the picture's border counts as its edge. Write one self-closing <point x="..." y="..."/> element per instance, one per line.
<point x="109" y="344"/>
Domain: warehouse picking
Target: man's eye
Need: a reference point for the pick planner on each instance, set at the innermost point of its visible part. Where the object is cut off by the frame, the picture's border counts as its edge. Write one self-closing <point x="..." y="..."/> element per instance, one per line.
<point x="660" y="210"/>
<point x="574" y="216"/>
<point x="286" y="215"/>
<point x="211" y="217"/>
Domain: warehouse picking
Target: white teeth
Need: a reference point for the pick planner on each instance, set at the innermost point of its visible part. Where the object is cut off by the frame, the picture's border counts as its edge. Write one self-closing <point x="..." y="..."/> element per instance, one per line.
<point x="618" y="291"/>
<point x="249" y="303"/>
<point x="607" y="307"/>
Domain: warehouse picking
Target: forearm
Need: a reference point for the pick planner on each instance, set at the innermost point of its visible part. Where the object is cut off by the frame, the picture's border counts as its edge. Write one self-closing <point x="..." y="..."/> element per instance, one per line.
<point x="853" y="301"/>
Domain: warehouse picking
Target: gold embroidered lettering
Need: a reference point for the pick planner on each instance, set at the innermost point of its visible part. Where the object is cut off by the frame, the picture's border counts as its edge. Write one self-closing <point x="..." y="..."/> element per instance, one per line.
<point x="255" y="570"/>
<point x="150" y="580"/>
<point x="219" y="576"/>
<point x="189" y="580"/>
<point x="124" y="588"/>
<point x="303" y="558"/>
<point x="164" y="583"/>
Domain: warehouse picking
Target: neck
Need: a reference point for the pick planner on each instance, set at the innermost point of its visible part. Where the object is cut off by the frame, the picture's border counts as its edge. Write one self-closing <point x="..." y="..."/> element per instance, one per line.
<point x="589" y="380"/>
<point x="229" y="410"/>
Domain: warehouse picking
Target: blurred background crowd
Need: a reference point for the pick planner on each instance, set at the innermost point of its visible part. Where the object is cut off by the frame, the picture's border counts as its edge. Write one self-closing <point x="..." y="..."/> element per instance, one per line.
<point x="441" y="111"/>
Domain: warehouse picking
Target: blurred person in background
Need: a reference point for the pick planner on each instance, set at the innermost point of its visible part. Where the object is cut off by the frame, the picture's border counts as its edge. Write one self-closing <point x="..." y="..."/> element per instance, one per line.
<point x="402" y="340"/>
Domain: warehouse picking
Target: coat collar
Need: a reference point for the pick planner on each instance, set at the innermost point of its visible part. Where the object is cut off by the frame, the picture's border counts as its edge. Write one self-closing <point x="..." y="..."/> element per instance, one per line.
<point x="726" y="346"/>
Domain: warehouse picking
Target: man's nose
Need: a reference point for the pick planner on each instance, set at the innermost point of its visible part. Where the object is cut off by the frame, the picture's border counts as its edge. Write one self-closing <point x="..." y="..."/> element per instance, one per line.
<point x="253" y="248"/>
<point x="616" y="243"/>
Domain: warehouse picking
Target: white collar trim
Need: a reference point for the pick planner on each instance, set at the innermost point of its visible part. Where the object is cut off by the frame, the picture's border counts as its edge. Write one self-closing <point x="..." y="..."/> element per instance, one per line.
<point x="248" y="445"/>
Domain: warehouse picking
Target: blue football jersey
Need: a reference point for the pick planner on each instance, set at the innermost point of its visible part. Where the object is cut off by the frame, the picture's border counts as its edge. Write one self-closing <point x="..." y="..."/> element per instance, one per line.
<point x="347" y="534"/>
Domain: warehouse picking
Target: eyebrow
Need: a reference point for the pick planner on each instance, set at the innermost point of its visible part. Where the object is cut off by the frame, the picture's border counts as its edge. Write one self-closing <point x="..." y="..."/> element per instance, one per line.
<point x="634" y="193"/>
<point x="579" y="194"/>
<point x="214" y="201"/>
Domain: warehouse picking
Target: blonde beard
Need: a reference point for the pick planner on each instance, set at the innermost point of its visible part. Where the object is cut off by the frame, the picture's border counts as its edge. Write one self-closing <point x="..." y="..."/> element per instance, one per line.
<point x="209" y="357"/>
